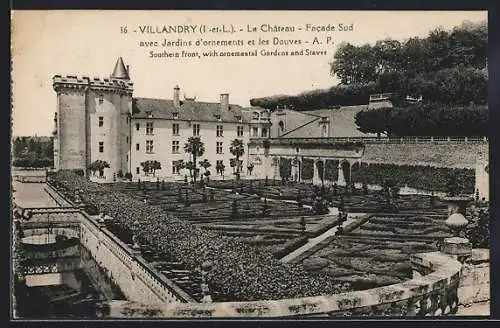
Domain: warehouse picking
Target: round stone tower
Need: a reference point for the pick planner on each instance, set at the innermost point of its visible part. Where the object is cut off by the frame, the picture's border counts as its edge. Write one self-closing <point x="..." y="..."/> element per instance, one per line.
<point x="93" y="121"/>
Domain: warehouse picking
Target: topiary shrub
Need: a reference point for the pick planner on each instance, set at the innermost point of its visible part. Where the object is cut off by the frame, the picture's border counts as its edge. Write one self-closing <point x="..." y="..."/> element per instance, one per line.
<point x="315" y="264"/>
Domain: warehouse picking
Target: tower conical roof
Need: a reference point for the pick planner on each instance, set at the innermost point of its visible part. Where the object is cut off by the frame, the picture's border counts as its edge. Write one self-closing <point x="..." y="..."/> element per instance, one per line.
<point x="120" y="72"/>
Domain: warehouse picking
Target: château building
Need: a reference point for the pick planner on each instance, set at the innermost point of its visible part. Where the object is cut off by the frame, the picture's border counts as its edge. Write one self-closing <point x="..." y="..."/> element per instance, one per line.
<point x="100" y="119"/>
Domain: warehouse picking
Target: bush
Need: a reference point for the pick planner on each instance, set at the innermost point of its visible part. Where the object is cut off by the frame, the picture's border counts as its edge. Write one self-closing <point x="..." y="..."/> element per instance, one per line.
<point x="79" y="172"/>
<point x="30" y="162"/>
<point x="414" y="176"/>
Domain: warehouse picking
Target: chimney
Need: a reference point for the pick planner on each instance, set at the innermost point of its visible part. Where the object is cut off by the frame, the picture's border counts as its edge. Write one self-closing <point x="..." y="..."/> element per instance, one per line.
<point x="224" y="101"/>
<point x="177" y="100"/>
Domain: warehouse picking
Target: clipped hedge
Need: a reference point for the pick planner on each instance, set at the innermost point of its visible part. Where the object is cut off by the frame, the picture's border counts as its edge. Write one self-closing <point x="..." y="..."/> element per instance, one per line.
<point x="414" y="176"/>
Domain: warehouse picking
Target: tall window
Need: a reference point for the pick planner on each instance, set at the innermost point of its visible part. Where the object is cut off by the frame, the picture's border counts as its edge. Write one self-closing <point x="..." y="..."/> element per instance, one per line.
<point x="137" y="126"/>
<point x="220" y="130"/>
<point x="137" y="146"/>
<point x="196" y="130"/>
<point x="126" y="139"/>
<point x="137" y="170"/>
<point x="101" y="99"/>
<point x="175" y="129"/>
<point x="175" y="168"/>
<point x="175" y="147"/>
<point x="149" y="146"/>
<point x="255" y="132"/>
<point x="149" y="128"/>
<point x="101" y="121"/>
<point x="218" y="147"/>
<point x="240" y="131"/>
<point x="101" y="146"/>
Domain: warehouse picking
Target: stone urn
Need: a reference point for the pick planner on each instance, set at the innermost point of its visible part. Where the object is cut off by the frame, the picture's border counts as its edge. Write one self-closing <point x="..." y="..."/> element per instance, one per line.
<point x="456" y="222"/>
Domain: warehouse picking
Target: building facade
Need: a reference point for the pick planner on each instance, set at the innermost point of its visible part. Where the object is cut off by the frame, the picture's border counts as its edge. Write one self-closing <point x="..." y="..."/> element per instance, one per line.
<point x="99" y="120"/>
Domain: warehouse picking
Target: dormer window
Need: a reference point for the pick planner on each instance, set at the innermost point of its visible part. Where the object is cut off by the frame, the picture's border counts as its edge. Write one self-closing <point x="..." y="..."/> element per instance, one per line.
<point x="238" y="117"/>
<point x="175" y="115"/>
<point x="101" y="99"/>
<point x="149" y="114"/>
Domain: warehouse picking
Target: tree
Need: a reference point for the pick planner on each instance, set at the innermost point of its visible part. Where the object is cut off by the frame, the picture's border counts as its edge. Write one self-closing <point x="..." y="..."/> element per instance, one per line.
<point x="155" y="165"/>
<point x="179" y="165"/>
<point x="237" y="149"/>
<point x="374" y="121"/>
<point x="19" y="145"/>
<point x="98" y="165"/>
<point x="477" y="229"/>
<point x="250" y="168"/>
<point x="220" y="167"/>
<point x="146" y="167"/>
<point x="196" y="149"/>
<point x="320" y="206"/>
<point x="190" y="167"/>
<point x="352" y="64"/>
<point x="425" y="120"/>
<point x="205" y="164"/>
<point x="151" y="166"/>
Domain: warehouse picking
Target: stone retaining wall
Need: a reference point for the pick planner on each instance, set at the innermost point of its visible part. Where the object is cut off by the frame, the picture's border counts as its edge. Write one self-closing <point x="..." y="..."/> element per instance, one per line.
<point x="475" y="278"/>
<point x="430" y="295"/>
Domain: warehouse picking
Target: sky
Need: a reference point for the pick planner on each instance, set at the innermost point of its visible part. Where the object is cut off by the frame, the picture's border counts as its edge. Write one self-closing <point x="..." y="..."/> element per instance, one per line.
<point x="88" y="43"/>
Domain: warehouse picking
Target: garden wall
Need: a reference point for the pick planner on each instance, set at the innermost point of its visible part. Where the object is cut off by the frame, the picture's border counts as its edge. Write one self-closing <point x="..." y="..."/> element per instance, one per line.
<point x="454" y="154"/>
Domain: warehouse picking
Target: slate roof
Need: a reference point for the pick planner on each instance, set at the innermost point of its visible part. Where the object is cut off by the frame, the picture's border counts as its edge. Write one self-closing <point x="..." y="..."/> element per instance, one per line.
<point x="188" y="110"/>
<point x="120" y="72"/>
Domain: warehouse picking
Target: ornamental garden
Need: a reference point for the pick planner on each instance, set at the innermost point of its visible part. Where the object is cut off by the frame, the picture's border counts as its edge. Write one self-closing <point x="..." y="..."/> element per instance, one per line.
<point x="240" y="228"/>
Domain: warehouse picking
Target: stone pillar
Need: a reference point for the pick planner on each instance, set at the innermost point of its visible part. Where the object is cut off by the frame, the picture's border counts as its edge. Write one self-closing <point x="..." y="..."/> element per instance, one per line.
<point x="350" y="173"/>
<point x="316" y="178"/>
<point x="295" y="169"/>
<point x="324" y="170"/>
<point x="341" y="180"/>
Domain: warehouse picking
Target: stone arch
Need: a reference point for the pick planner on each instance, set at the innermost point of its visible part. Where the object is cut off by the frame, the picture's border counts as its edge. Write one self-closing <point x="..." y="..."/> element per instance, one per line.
<point x="320" y="166"/>
<point x="285" y="168"/>
<point x="331" y="170"/>
<point x="307" y="168"/>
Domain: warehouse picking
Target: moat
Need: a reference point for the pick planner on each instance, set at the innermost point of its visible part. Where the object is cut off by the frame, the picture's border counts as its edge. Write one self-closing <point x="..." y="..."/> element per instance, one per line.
<point x="62" y="280"/>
